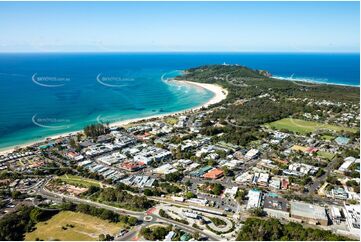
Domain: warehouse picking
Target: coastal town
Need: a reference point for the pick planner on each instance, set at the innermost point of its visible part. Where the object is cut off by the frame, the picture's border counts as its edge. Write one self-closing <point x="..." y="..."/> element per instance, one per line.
<point x="201" y="174"/>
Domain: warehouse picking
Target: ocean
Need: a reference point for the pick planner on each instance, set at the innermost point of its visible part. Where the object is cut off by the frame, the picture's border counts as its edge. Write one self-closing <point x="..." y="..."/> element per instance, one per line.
<point x="49" y="94"/>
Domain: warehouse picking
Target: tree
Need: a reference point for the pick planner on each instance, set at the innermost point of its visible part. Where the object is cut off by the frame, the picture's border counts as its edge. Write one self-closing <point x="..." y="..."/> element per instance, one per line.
<point x="174" y="177"/>
<point x="190" y="195"/>
<point x="217" y="189"/>
<point x="196" y="236"/>
<point x="132" y="221"/>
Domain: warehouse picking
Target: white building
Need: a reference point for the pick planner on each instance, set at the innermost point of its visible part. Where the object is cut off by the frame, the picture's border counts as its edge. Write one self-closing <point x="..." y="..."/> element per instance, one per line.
<point x="165" y="169"/>
<point x="352" y="213"/>
<point x="252" y="153"/>
<point x="347" y="163"/>
<point x="230" y="192"/>
<point x="254" y="199"/>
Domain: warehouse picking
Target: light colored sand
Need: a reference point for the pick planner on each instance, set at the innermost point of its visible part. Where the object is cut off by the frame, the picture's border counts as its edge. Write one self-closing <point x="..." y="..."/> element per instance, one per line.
<point x="219" y="95"/>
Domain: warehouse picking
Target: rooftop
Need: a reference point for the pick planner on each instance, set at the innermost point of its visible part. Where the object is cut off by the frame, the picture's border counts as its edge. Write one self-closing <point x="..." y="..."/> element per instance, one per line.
<point x="308" y="210"/>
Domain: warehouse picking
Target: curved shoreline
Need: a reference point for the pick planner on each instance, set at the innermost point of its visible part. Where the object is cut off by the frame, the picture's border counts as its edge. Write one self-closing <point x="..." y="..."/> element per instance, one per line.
<point x="219" y="94"/>
<point x="310" y="81"/>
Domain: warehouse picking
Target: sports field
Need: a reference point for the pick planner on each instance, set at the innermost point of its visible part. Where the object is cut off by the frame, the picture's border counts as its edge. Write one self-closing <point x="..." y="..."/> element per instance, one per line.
<point x="79" y="181"/>
<point x="68" y="225"/>
<point x="303" y="127"/>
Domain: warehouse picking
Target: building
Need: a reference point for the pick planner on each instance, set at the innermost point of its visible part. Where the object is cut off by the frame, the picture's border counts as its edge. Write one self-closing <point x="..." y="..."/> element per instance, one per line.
<point x="190" y="214"/>
<point x="112" y="159"/>
<point x="347" y="163"/>
<point x="132" y="166"/>
<point x="342" y="140"/>
<point x="275" y="183"/>
<point x="252" y="154"/>
<point x="198" y="201"/>
<point x="352" y="214"/>
<point x="339" y="193"/>
<point x="230" y="192"/>
<point x="169" y="236"/>
<point x="254" y="199"/>
<point x="309" y="213"/>
<point x="300" y="169"/>
<point x="215" y="173"/>
<point x="263" y="179"/>
<point x="336" y="214"/>
<point x="201" y="171"/>
<point x="245" y="177"/>
<point x="276" y="207"/>
<point x="165" y="169"/>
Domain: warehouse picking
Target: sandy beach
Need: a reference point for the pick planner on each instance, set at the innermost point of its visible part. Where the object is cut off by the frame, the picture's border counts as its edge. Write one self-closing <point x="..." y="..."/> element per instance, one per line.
<point x="219" y="94"/>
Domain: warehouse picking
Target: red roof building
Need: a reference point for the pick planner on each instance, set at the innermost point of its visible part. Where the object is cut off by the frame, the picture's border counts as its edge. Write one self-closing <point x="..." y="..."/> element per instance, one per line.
<point x="215" y="173"/>
<point x="132" y="166"/>
<point x="284" y="184"/>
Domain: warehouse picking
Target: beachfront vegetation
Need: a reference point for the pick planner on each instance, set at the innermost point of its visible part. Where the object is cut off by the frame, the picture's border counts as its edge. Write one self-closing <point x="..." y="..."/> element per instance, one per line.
<point x="94" y="130"/>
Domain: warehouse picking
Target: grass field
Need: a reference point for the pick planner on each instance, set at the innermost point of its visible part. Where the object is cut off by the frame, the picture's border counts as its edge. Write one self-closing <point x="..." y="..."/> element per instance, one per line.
<point x="171" y="120"/>
<point x="79" y="181"/>
<point x="326" y="155"/>
<point x="86" y="227"/>
<point x="303" y="127"/>
<point x="327" y="137"/>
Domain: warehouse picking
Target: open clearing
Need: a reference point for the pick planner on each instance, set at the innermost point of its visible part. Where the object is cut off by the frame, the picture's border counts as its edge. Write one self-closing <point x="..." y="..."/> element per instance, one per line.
<point x="303" y="127"/>
<point x="79" y="181"/>
<point x="86" y="227"/>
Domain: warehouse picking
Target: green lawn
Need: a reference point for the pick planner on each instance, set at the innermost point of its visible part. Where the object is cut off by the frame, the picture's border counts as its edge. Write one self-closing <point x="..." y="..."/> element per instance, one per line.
<point x="327" y="137"/>
<point x="85" y="227"/>
<point x="303" y="127"/>
<point x="326" y="155"/>
<point x="79" y="181"/>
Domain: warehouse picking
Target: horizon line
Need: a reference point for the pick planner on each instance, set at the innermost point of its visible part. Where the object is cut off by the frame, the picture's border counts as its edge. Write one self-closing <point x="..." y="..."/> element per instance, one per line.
<point x="178" y="52"/>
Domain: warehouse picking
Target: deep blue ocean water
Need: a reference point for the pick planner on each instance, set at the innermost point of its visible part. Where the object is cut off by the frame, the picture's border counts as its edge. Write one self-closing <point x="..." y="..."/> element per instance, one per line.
<point x="47" y="94"/>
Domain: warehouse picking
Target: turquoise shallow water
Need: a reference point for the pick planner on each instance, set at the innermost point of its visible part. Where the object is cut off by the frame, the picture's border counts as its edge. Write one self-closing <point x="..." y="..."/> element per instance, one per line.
<point x="48" y="94"/>
<point x="47" y="97"/>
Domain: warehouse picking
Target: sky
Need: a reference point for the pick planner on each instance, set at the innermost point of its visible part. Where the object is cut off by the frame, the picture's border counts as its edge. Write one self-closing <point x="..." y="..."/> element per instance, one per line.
<point x="179" y="26"/>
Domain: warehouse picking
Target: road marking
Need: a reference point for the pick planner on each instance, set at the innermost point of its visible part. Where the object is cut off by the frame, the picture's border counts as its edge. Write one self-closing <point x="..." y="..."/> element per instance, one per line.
<point x="151" y="210"/>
